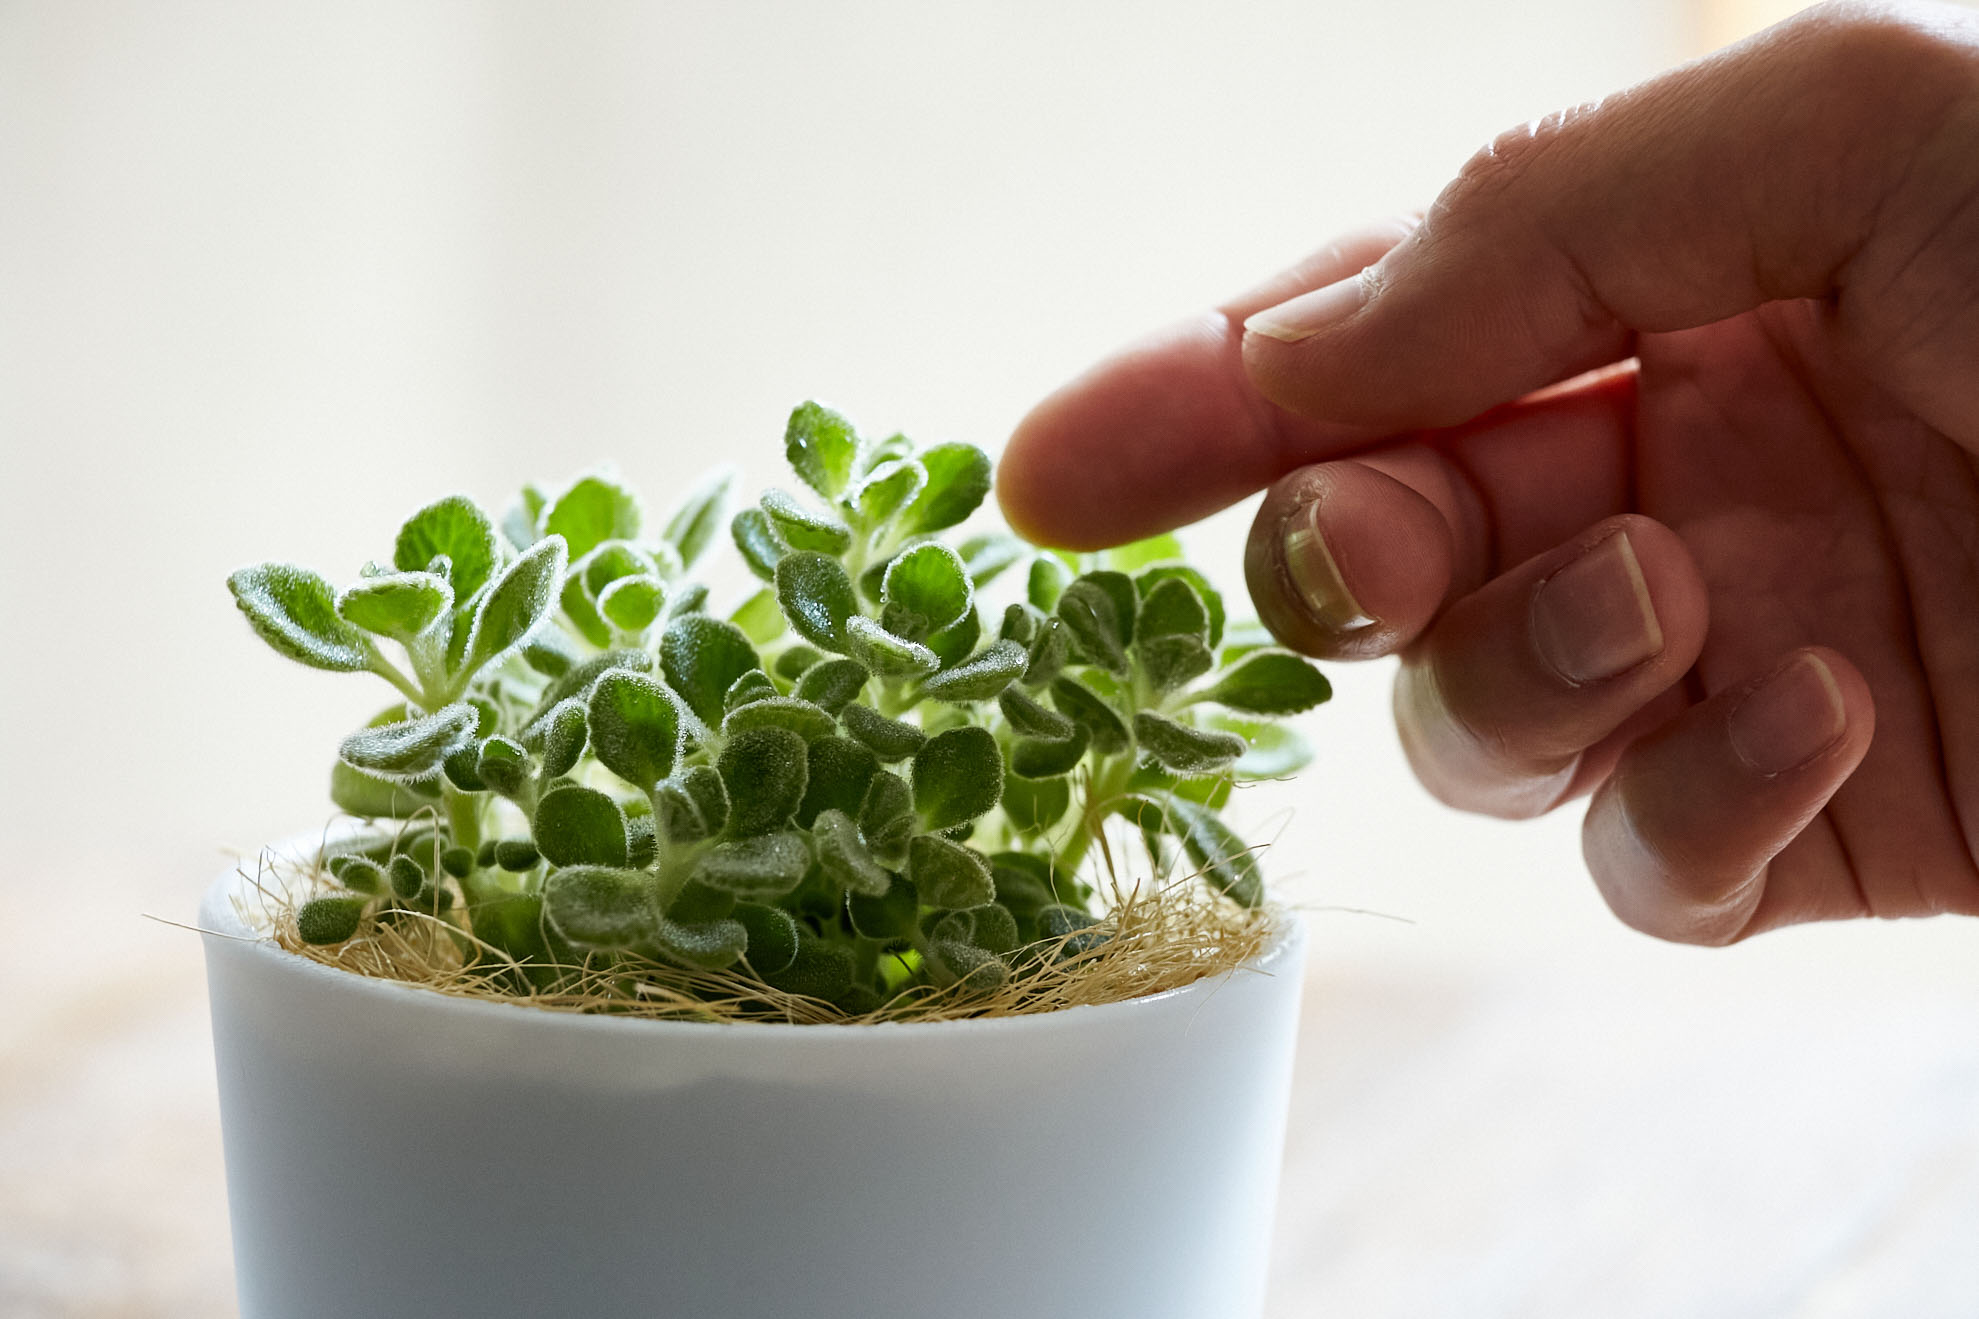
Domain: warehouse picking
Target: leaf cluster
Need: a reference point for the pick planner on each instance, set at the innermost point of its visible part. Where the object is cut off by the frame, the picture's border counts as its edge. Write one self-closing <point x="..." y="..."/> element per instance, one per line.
<point x="863" y="779"/>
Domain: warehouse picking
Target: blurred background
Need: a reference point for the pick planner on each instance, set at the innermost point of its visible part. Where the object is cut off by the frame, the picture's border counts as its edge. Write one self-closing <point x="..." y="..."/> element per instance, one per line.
<point x="271" y="276"/>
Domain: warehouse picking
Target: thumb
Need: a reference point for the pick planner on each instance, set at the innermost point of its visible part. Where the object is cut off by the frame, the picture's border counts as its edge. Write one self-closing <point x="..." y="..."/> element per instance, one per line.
<point x="1830" y="157"/>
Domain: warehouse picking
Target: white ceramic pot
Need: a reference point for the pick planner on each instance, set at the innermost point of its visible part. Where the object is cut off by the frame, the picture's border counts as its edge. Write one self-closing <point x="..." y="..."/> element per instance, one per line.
<point x="396" y="1152"/>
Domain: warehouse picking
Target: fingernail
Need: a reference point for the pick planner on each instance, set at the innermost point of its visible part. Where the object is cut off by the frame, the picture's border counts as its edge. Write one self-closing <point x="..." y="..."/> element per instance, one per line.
<point x="1790" y="718"/>
<point x="1315" y="575"/>
<point x="1309" y="313"/>
<point x="1593" y="618"/>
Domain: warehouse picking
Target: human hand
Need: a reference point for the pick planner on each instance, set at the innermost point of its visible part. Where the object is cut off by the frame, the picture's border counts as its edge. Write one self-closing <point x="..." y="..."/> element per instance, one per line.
<point x="1693" y="582"/>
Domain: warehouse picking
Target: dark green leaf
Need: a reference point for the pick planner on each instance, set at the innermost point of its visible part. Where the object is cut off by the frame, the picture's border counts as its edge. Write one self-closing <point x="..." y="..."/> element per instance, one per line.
<point x="1020" y="624"/>
<point x="635" y="729"/>
<point x="948" y="874"/>
<point x="710" y="946"/>
<point x="405" y="876"/>
<point x="560" y="737"/>
<point x="885" y="654"/>
<point x="1172" y="662"/>
<point x="358" y="874"/>
<point x="925" y="590"/>
<point x="549" y="654"/>
<point x="891" y="915"/>
<point x="832" y="685"/>
<point x="642" y="842"/>
<point x="595" y="509"/>
<point x="838" y="772"/>
<point x="1077" y="702"/>
<point x="396" y="605"/>
<point x="1171" y="608"/>
<point x="1271" y="682"/>
<point x="765" y="773"/>
<point x="329" y="920"/>
<point x="889" y="739"/>
<point x="958" y="776"/>
<point x="456" y="527"/>
<point x="793" y="663"/>
<point x="766" y="866"/>
<point x="691" y="806"/>
<point x="958" y="478"/>
<point x="575" y="825"/>
<point x="821" y="969"/>
<point x="692" y="526"/>
<point x="517" y="855"/>
<point x="1212" y="599"/>
<point x="412" y="749"/>
<point x="1226" y="863"/>
<point x="800" y="717"/>
<point x="1029" y="719"/>
<point x="759" y="617"/>
<point x="1091" y="610"/>
<point x="752" y="686"/>
<point x="1050" y="649"/>
<point x="804" y="528"/>
<point x="515" y="603"/>
<point x="977" y="970"/>
<point x="821" y="446"/>
<point x="295" y="611"/>
<point x="576" y="681"/>
<point x="503" y="766"/>
<point x="458" y="862"/>
<point x="758" y="542"/>
<point x="1184" y="749"/>
<point x="596" y="906"/>
<point x="1050" y="757"/>
<point x="1033" y="805"/>
<point x="816" y="596"/>
<point x="957" y="641"/>
<point x="886" y="818"/>
<point x="772" y="937"/>
<point x="702" y="657"/>
<point x="844" y="856"/>
<point x="987" y="675"/>
<point x="696" y="903"/>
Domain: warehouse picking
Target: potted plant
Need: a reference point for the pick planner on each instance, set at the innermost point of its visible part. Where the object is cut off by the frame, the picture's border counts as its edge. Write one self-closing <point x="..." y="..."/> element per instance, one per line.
<point x="858" y="1005"/>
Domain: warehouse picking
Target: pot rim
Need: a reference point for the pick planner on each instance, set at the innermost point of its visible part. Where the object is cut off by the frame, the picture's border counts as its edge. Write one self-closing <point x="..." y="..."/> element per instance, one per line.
<point x="219" y="918"/>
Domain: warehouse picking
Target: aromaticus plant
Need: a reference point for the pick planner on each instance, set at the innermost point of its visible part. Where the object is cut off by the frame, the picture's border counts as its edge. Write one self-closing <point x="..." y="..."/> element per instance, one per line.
<point x="847" y="787"/>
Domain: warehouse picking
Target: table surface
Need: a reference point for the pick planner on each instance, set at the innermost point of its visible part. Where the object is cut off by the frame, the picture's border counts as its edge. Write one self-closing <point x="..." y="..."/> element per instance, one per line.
<point x="1520" y="1132"/>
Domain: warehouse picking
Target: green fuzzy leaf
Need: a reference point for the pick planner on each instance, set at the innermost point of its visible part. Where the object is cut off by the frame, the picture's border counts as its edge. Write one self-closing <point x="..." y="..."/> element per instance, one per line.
<point x="457" y="528"/>
<point x="816" y="596"/>
<point x="989" y="926"/>
<point x="889" y="739"/>
<point x="891" y="915"/>
<point x="765" y="773"/>
<point x="804" y="528"/>
<point x="1171" y="608"/>
<point x="832" y="685"/>
<point x="752" y="686"/>
<point x="1091" y="612"/>
<point x="1212" y="600"/>
<point x="581" y="611"/>
<point x="988" y="554"/>
<point x="1138" y="555"/>
<point x="1051" y="648"/>
<point x="1067" y="923"/>
<point x="358" y="874"/>
<point x="844" y="856"/>
<point x="1226" y="863"/>
<point x="691" y="806"/>
<point x="549" y="654"/>
<point x="516" y="602"/>
<point x="692" y="599"/>
<point x="958" y="776"/>
<point x="925" y="590"/>
<point x="894" y="448"/>
<point x="957" y="642"/>
<point x="1020" y="624"/>
<point x="575" y="826"/>
<point x="771" y="937"/>
<point x="642" y="842"/>
<point x="948" y="874"/>
<point x="597" y="906"/>
<point x="1024" y="885"/>
<point x="886" y="818"/>
<point x="885" y="654"/>
<point x="701" y="658"/>
<point x="958" y="479"/>
<point x="794" y="662"/>
<point x="800" y="717"/>
<point x="1029" y="719"/>
<point x="759" y="617"/>
<point x="1172" y="662"/>
<point x="1034" y="805"/>
<point x="890" y="487"/>
<point x="522" y="522"/>
<point x="396" y="605"/>
<point x="364" y="795"/>
<point x="696" y="903"/>
<point x="458" y="862"/>
<point x="631" y="604"/>
<point x="412" y="749"/>
<point x="821" y="969"/>
<point x="576" y="680"/>
<point x="710" y="945"/>
<point x="838" y="772"/>
<point x="1184" y="749"/>
<point x="976" y="969"/>
<point x="765" y="866"/>
<point x="692" y="527"/>
<point x="1271" y="682"/>
<point x="503" y="766"/>
<point x="593" y="510"/>
<point x="609" y="561"/>
<point x="758" y="542"/>
<point x="987" y="675"/>
<point x="459" y="768"/>
<point x="329" y="920"/>
<point x="1047" y="581"/>
<point x="517" y="855"/>
<point x="821" y="446"/>
<point x="1050" y="757"/>
<point x="295" y="611"/>
<point x="635" y="728"/>
<point x="560" y="737"/>
<point x="1082" y="706"/>
<point x="405" y="876"/>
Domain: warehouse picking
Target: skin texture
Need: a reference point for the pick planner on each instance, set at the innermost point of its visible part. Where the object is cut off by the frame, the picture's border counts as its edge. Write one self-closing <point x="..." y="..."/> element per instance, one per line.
<point x="1652" y="448"/>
